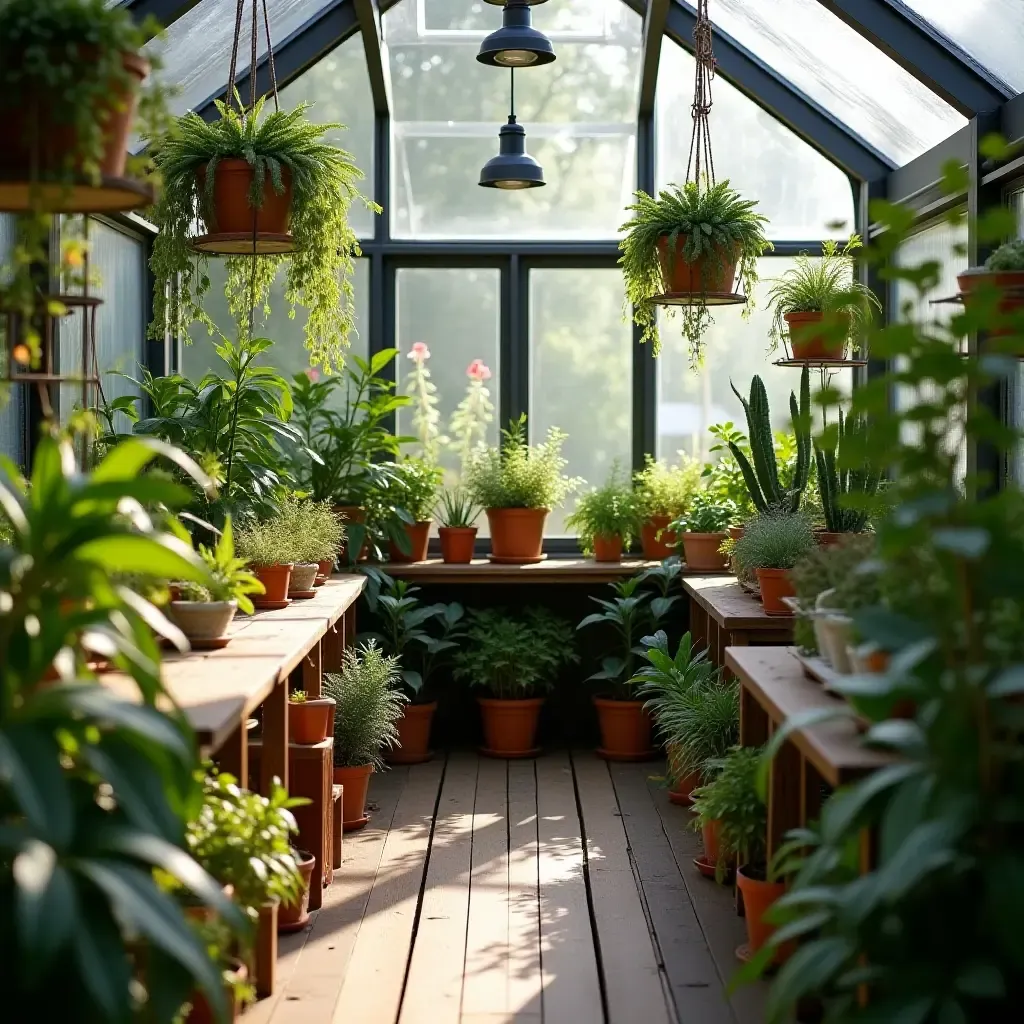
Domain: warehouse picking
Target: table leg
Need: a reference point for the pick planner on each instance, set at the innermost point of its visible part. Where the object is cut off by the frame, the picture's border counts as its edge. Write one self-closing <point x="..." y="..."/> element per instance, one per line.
<point x="274" y="758"/>
<point x="753" y="720"/>
<point x="810" y="792"/>
<point x="784" y="796"/>
<point x="312" y="671"/>
<point x="233" y="756"/>
<point x="350" y="626"/>
<point x="331" y="647"/>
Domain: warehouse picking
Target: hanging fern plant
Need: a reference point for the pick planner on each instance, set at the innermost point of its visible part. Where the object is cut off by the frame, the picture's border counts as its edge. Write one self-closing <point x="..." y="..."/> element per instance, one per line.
<point x="323" y="181"/>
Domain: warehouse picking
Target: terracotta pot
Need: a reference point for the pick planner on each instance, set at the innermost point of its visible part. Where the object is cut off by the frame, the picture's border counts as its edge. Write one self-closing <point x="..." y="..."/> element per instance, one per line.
<point x="811" y="338"/>
<point x="293" y="916"/>
<point x="775" y="584"/>
<point x="510" y="726"/>
<point x="309" y="721"/>
<point x="414" y="734"/>
<point x="701" y="554"/>
<point x="658" y="547"/>
<point x="1009" y="283"/>
<point x="735" y="532"/>
<point x="625" y="730"/>
<point x="705" y="274"/>
<point x="201" y="1012"/>
<point x="517" y="534"/>
<point x="826" y="539"/>
<point x="356" y="780"/>
<point x="276" y="580"/>
<point x="608" y="548"/>
<point x="352" y="514"/>
<point x="758" y="896"/>
<point x="457" y="544"/>
<point x="324" y="569"/>
<point x="303" y="577"/>
<point x="231" y="211"/>
<point x="202" y="620"/>
<point x="710" y="833"/>
<point x="419" y="537"/>
<point x="36" y="137"/>
<point x="681" y="792"/>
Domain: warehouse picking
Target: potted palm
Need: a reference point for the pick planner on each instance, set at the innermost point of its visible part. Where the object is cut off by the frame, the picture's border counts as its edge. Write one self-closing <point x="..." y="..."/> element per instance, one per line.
<point x="368" y="705"/>
<point x="689" y="244"/>
<point x="664" y="493"/>
<point x="996" y="290"/>
<point x="702" y="530"/>
<point x="457" y="533"/>
<point x="770" y="547"/>
<point x="629" y="616"/>
<point x="517" y="484"/>
<point x="516" y="660"/>
<point x="607" y="519"/>
<point x="203" y="612"/>
<point x="819" y="304"/>
<point x="413" y="491"/>
<point x="268" y="183"/>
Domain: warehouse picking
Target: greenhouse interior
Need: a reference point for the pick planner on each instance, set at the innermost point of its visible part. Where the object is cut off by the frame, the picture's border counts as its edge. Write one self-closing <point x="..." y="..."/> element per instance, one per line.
<point x="511" y="511"/>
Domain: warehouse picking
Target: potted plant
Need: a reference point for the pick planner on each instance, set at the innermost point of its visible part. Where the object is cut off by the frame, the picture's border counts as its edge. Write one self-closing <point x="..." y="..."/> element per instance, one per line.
<point x="607" y="519"/>
<point x="203" y="612"/>
<point x="421" y="637"/>
<point x="664" y="493"/>
<point x="695" y="710"/>
<point x="457" y="513"/>
<point x="702" y="529"/>
<point x="367" y="707"/>
<point x="630" y="615"/>
<point x="309" y="718"/>
<point x="327" y="534"/>
<point x="820" y="305"/>
<point x="517" y="484"/>
<point x="270" y="553"/>
<point x="770" y="546"/>
<point x="314" y="531"/>
<point x="516" y="660"/>
<point x="247" y="174"/>
<point x="688" y="243"/>
<point x="413" y="491"/>
<point x="996" y="291"/>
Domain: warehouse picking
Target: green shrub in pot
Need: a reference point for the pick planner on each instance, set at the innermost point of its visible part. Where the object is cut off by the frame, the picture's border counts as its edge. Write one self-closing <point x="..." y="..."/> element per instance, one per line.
<point x="770" y="547"/>
<point x="608" y="518"/>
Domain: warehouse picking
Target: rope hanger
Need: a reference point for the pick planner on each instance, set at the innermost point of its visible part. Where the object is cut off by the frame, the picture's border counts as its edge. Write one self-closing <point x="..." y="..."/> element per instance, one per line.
<point x="229" y="98"/>
<point x="701" y="163"/>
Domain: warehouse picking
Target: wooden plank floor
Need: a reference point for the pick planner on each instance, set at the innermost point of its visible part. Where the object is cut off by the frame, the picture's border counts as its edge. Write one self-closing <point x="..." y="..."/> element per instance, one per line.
<point x="556" y="891"/>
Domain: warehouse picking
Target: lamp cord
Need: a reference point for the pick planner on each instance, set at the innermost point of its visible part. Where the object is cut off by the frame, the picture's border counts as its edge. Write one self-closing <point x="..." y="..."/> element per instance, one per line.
<point x="512" y="96"/>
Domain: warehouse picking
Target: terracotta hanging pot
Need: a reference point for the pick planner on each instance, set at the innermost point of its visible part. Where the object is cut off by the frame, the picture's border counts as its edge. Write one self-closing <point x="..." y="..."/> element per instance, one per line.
<point x="39" y="141"/>
<point x="1008" y="283"/>
<point x="625" y="730"/>
<point x="658" y="542"/>
<point x="356" y="780"/>
<point x="510" y="726"/>
<point x="701" y="554"/>
<point x="811" y="338"/>
<point x="758" y="897"/>
<point x="352" y="514"/>
<point x="517" y="534"/>
<point x="276" y="579"/>
<point x="419" y="538"/>
<point x="309" y="721"/>
<point x="231" y="212"/>
<point x="607" y="549"/>
<point x="706" y="274"/>
<point x="292" y="917"/>
<point x="457" y="544"/>
<point x="775" y="584"/>
<point x="414" y="734"/>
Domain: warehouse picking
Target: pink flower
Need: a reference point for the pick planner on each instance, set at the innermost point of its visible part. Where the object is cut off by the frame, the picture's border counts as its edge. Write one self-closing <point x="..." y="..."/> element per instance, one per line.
<point x="313" y="375"/>
<point x="478" y="370"/>
<point x="419" y="353"/>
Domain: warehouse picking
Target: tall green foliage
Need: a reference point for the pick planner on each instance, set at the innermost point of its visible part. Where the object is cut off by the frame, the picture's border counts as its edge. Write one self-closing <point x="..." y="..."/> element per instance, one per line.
<point x="847" y="493"/>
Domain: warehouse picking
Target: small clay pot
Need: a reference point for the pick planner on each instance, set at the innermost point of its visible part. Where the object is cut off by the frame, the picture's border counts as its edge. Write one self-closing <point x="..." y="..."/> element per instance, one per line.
<point x="414" y="734"/>
<point x="309" y="721"/>
<point x="758" y="897"/>
<point x="419" y="539"/>
<point x="276" y="580"/>
<point x="292" y="917"/>
<point x="625" y="730"/>
<point x="607" y="548"/>
<point x="658" y="542"/>
<point x="701" y="554"/>
<point x="517" y="534"/>
<point x="303" y="577"/>
<point x="510" y="726"/>
<point x="356" y="780"/>
<point x="775" y="584"/>
<point x="811" y="338"/>
<point x="202" y="620"/>
<point x="457" y="544"/>
<point x="231" y="213"/>
<point x="323" y="571"/>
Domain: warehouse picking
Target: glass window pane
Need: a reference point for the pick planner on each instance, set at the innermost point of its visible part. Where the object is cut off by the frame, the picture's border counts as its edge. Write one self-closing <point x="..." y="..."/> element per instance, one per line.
<point x="737" y="349"/>
<point x="579" y="113"/>
<point x="11" y="396"/>
<point x="991" y="31"/>
<point x="843" y="71"/>
<point x="581" y="373"/>
<point x="455" y="313"/>
<point x="802" y="193"/>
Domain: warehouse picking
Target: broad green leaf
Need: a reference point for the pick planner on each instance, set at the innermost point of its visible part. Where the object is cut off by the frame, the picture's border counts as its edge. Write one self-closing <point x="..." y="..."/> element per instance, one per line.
<point x="165" y="557"/>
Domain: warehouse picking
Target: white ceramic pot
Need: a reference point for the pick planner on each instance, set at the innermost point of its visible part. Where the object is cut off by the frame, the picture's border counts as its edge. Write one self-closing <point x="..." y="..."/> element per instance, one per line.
<point x="202" y="620"/>
<point x="836" y="633"/>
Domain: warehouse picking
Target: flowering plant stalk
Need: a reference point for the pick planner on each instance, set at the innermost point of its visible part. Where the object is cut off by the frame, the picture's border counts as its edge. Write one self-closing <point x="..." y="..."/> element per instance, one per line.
<point x="426" y="416"/>
<point x="473" y="415"/>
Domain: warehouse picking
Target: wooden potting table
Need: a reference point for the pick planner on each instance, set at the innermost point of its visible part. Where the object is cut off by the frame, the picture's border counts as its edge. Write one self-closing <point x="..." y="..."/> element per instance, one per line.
<point x="551" y="570"/>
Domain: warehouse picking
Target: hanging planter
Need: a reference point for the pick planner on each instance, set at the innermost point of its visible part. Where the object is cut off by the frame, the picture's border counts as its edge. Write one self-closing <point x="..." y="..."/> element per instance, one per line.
<point x="711" y="272"/>
<point x="999" y="285"/>
<point x="237" y="225"/>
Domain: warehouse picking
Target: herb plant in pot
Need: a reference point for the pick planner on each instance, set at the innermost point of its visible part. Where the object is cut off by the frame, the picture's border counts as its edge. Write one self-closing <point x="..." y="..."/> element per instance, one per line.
<point x="690" y="242"/>
<point x="516" y="660"/>
<point x="819" y="304"/>
<point x="607" y="519"/>
<point x="367" y="707"/>
<point x="770" y="546"/>
<point x="702" y="530"/>
<point x="314" y="531"/>
<point x="517" y="484"/>
<point x="309" y="718"/>
<point x="457" y="533"/>
<point x="271" y="554"/>
<point x="664" y="493"/>
<point x="413" y="490"/>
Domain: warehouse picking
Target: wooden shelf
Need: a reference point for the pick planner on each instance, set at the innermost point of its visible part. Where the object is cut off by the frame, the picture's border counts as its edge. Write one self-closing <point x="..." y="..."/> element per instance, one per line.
<point x="551" y="570"/>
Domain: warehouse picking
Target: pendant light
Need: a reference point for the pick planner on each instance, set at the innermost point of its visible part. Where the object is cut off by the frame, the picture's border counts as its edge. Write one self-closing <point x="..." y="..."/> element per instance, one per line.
<point x="513" y="168"/>
<point x="517" y="43"/>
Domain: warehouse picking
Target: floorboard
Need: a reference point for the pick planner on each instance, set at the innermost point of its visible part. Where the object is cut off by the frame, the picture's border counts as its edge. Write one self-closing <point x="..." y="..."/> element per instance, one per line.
<point x="525" y="981"/>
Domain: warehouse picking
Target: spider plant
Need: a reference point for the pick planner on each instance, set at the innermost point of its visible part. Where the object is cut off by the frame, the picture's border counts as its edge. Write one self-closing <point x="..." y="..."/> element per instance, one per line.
<point x="457" y="510"/>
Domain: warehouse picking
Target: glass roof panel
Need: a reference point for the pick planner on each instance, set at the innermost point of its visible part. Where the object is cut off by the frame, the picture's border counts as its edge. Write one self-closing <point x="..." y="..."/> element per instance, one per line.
<point x="196" y="49"/>
<point x="991" y="31"/>
<point x="845" y="73"/>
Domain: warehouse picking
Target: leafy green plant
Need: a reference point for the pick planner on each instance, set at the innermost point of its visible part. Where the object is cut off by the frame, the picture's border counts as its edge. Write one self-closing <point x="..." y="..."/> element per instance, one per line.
<point x="323" y="182"/>
<point x="263" y="543"/>
<point x="666" y="490"/>
<point x="612" y="510"/>
<point x="367" y="705"/>
<point x="847" y="494"/>
<point x="714" y="222"/>
<point x="229" y="580"/>
<point x="774" y="542"/>
<point x="314" y="531"/>
<point x="763" y="479"/>
<point x="824" y="284"/>
<point x="707" y="514"/>
<point x="413" y="487"/>
<point x="514" y="657"/>
<point x="457" y="509"/>
<point x="518" y="474"/>
<point x="298" y="696"/>
<point x="1009" y="256"/>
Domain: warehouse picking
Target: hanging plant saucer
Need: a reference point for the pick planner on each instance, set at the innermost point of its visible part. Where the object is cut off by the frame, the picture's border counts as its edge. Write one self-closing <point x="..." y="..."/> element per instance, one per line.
<point x="700" y="299"/>
<point x="18" y="195"/>
<point x="244" y="243"/>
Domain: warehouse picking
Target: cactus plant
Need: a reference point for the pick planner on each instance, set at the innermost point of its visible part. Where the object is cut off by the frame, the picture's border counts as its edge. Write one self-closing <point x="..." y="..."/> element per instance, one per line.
<point x="835" y="484"/>
<point x="762" y="478"/>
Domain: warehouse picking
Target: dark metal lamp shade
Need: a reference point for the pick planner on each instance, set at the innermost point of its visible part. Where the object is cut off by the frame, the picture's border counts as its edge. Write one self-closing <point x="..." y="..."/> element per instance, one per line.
<point x="517" y="43"/>
<point x="513" y="168"/>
